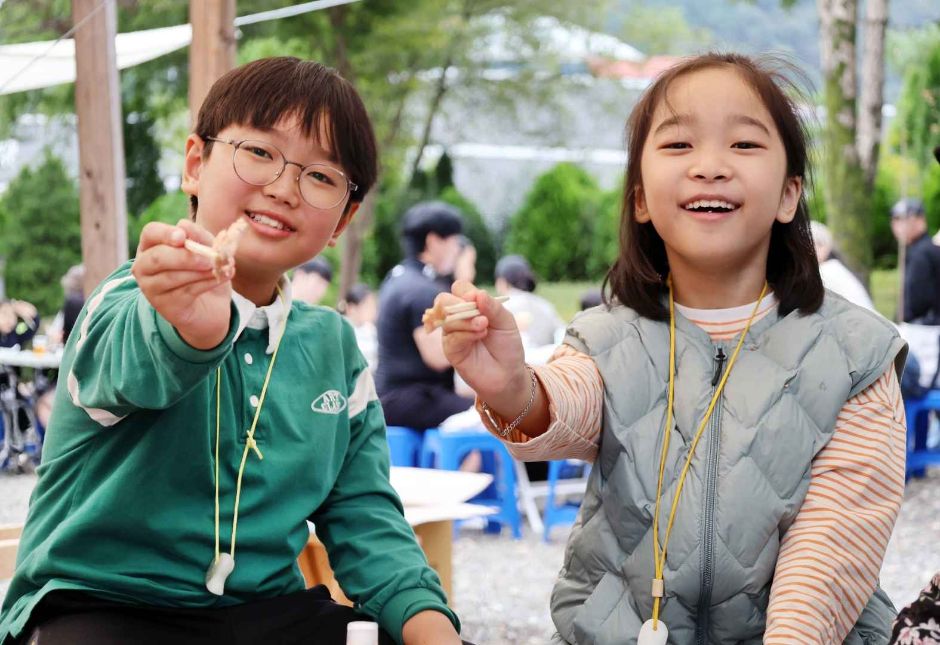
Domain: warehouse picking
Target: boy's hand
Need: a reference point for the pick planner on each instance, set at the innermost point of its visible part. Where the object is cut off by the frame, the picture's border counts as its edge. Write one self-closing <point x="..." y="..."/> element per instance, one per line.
<point x="180" y="284"/>
<point x="486" y="350"/>
<point x="429" y="627"/>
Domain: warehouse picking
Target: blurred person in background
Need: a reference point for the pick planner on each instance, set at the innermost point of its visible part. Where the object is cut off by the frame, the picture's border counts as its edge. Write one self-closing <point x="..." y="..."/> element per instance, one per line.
<point x="311" y="280"/>
<point x="835" y="275"/>
<point x="19" y="322"/>
<point x="74" y="299"/>
<point x="590" y="299"/>
<point x="466" y="268"/>
<point x="921" y="263"/>
<point x="536" y="317"/>
<point x="414" y="381"/>
<point x="59" y="332"/>
<point x="361" y="308"/>
<point x="920" y="313"/>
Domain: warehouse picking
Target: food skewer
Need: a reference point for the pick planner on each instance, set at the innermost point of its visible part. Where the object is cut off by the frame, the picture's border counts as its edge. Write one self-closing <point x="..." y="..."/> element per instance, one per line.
<point x="467" y="306"/>
<point x="437" y="315"/>
<point x="222" y="251"/>
<point x="201" y="249"/>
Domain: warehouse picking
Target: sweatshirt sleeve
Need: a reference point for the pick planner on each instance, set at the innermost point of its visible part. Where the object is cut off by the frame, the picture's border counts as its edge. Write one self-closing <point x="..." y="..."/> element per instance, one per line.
<point x="123" y="356"/>
<point x="830" y="557"/>
<point x="575" y="394"/>
<point x="372" y="549"/>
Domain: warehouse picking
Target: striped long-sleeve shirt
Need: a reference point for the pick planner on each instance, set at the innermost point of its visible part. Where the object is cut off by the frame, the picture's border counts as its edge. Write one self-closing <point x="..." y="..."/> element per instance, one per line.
<point x="830" y="557"/>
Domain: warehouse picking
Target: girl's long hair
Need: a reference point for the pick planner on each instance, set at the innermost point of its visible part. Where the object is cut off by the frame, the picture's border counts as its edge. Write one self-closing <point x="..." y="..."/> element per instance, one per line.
<point x="638" y="278"/>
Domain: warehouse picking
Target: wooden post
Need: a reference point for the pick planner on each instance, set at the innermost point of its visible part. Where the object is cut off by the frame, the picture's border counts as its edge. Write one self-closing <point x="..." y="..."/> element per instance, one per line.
<point x="212" y="52"/>
<point x="103" y="200"/>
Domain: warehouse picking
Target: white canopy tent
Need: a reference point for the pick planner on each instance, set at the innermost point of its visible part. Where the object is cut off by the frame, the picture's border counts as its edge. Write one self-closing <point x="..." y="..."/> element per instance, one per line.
<point x="30" y="66"/>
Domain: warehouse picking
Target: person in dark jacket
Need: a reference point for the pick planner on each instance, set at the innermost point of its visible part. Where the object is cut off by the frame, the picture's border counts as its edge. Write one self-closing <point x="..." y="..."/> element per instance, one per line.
<point x="921" y="264"/>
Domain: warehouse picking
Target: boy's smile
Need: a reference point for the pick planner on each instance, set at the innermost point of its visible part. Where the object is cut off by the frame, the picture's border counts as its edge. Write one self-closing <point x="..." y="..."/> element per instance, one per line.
<point x="285" y="229"/>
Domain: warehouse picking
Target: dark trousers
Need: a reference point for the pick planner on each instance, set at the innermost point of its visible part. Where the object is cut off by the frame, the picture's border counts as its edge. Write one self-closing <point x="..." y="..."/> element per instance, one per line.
<point x="421" y="405"/>
<point x="75" y="618"/>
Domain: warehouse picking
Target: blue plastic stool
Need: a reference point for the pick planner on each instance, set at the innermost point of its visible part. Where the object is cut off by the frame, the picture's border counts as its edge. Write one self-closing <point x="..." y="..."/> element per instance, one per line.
<point x="404" y="445"/>
<point x="446" y="450"/>
<point x="918" y="456"/>
<point x="567" y="511"/>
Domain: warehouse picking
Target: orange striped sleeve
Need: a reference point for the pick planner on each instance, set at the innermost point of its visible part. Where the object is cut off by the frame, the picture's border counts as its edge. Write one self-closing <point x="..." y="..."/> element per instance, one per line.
<point x="575" y="394"/>
<point x="831" y="556"/>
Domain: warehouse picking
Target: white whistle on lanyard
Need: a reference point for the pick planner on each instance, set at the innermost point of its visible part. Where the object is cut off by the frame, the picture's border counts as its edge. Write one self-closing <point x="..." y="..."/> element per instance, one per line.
<point x="650" y="636"/>
<point x="219" y="571"/>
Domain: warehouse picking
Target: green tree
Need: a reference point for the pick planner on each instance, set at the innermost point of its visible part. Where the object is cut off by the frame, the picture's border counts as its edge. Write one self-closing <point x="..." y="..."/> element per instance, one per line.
<point x="917" y="126"/>
<point x="477" y="231"/>
<point x="662" y="30"/>
<point x="169" y="208"/>
<point x="932" y="197"/>
<point x="46" y="238"/>
<point x="852" y="131"/>
<point x="553" y="228"/>
<point x="605" y="239"/>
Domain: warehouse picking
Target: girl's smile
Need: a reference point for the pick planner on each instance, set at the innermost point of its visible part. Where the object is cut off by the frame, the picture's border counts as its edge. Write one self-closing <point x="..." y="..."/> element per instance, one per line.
<point x="714" y="179"/>
<point x="710" y="207"/>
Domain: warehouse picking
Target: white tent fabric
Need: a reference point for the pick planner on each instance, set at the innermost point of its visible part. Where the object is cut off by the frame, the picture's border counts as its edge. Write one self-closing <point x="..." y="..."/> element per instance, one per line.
<point x="57" y="65"/>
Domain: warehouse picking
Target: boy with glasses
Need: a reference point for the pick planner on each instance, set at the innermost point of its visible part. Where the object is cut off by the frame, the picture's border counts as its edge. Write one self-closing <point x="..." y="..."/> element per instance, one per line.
<point x="206" y="419"/>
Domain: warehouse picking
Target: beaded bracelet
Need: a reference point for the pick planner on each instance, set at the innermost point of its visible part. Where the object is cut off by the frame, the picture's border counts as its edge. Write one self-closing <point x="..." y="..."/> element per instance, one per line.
<point x="506" y="431"/>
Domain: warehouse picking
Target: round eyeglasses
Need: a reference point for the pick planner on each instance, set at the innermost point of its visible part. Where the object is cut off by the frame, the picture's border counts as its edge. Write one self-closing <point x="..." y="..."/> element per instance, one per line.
<point x="260" y="163"/>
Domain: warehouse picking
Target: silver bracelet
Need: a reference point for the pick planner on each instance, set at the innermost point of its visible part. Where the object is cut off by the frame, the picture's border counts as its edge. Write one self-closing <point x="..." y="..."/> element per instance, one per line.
<point x="506" y="431"/>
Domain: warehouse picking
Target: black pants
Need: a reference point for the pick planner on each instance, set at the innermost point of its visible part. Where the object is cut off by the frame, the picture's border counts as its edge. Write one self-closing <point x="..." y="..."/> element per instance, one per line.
<point x="421" y="405"/>
<point x="75" y="618"/>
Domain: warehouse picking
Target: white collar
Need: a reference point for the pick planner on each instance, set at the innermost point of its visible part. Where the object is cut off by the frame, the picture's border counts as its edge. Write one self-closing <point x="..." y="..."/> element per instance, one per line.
<point x="270" y="316"/>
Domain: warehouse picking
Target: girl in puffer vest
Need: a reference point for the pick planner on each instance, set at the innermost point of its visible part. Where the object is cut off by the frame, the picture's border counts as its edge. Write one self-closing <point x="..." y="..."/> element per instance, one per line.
<point x="714" y="235"/>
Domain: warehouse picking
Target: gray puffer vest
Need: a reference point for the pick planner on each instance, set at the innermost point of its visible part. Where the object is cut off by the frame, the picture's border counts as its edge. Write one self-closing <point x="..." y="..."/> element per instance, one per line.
<point x="747" y="480"/>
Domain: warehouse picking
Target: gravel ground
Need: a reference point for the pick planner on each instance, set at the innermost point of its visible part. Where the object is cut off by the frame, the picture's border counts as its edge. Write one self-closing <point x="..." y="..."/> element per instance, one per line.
<point x="502" y="586"/>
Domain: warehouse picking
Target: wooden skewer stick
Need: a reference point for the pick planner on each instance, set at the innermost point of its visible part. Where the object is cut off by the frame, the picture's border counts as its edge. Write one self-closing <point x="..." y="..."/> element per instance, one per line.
<point x="201" y="249"/>
<point x="468" y="306"/>
<point x="463" y="311"/>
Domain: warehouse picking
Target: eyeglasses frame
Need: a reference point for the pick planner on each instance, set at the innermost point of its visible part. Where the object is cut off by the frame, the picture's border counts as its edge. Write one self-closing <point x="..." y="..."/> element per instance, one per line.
<point x="351" y="186"/>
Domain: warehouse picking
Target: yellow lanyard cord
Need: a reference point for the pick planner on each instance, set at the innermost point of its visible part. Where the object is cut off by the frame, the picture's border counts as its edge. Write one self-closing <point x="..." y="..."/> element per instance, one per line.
<point x="250" y="443"/>
<point x="659" y="552"/>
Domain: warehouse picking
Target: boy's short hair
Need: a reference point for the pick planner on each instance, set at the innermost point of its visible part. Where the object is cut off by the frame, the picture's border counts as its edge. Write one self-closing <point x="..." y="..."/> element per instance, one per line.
<point x="263" y="92"/>
<point x="439" y="218"/>
<point x="319" y="265"/>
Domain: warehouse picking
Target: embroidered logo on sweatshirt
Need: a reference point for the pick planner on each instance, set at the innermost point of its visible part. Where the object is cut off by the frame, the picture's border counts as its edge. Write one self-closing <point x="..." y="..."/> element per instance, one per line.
<point x="330" y="402"/>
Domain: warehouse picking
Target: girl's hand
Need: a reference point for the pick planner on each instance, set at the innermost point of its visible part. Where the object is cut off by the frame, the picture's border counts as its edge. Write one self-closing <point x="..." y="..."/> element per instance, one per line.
<point x="180" y="284"/>
<point x="485" y="350"/>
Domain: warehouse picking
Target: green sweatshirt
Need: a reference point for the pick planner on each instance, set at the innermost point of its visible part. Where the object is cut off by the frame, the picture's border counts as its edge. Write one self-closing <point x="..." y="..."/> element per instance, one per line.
<point x="125" y="502"/>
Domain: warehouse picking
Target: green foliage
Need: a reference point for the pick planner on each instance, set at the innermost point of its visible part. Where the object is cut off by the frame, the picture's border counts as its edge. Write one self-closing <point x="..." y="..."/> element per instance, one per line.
<point x="662" y="30"/>
<point x="42" y="234"/>
<point x="605" y="239"/>
<point x="553" y="228"/>
<point x="142" y="157"/>
<point x="477" y="231"/>
<point x="918" y="121"/>
<point x="264" y="47"/>
<point x="932" y="197"/>
<point x="169" y="208"/>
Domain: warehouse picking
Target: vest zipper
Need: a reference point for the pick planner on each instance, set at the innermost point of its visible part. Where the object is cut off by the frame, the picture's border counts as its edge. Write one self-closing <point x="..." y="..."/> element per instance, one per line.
<point x="708" y="524"/>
